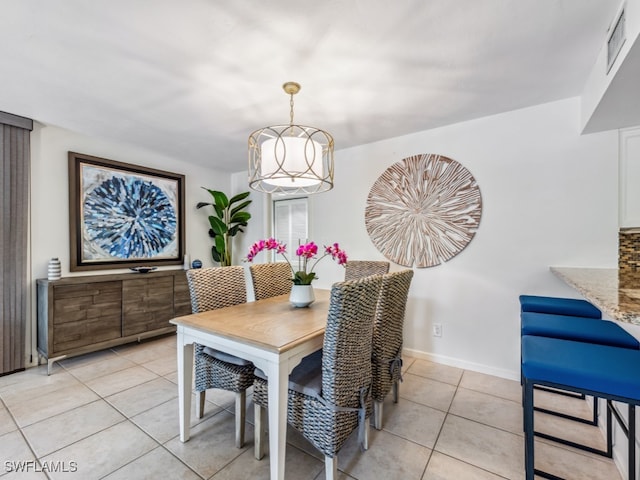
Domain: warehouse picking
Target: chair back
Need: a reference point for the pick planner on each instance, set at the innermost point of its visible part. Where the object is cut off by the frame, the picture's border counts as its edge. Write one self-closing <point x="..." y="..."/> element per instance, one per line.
<point x="216" y="287"/>
<point x="355" y="269"/>
<point x="388" y="331"/>
<point x="271" y="279"/>
<point x="346" y="354"/>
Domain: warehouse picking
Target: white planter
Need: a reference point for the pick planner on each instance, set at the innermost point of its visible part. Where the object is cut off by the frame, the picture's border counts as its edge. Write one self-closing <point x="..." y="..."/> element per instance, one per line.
<point x="301" y="295"/>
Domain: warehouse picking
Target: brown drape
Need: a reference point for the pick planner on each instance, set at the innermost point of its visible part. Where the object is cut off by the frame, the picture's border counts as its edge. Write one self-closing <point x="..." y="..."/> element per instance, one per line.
<point x="14" y="209"/>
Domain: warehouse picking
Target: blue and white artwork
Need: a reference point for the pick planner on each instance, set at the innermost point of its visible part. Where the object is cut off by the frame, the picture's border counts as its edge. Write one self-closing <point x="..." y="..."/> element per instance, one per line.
<point x="127" y="216"/>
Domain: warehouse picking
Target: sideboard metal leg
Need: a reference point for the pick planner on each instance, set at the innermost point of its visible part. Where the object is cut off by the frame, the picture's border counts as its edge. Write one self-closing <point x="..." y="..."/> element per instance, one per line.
<point x="50" y="362"/>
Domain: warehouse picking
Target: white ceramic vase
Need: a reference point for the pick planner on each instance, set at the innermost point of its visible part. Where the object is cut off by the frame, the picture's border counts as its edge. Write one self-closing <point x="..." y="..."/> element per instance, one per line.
<point x="301" y="295"/>
<point x="54" y="271"/>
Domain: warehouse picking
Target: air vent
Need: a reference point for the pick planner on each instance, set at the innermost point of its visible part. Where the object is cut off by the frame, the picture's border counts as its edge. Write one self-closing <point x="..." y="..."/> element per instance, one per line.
<point x="616" y="39"/>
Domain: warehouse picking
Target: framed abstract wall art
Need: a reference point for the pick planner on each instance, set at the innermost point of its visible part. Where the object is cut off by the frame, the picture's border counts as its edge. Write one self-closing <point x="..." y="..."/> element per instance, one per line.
<point x="123" y="215"/>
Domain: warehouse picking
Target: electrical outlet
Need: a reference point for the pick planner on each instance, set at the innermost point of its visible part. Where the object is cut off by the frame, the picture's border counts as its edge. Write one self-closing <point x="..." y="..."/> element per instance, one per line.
<point x="437" y="329"/>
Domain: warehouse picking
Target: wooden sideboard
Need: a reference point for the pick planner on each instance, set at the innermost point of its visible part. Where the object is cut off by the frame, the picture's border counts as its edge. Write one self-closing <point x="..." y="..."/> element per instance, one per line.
<point x="78" y="315"/>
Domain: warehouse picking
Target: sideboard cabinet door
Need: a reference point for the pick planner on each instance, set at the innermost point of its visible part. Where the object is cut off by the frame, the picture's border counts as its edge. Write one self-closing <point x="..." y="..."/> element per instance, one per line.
<point x="147" y="304"/>
<point x="84" y="314"/>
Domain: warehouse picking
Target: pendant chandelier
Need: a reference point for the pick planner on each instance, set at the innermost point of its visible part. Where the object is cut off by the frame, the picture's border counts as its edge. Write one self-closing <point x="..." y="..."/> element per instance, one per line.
<point x="291" y="159"/>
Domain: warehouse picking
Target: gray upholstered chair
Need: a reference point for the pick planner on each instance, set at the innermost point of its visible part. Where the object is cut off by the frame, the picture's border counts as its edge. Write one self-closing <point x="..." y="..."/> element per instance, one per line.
<point x="212" y="288"/>
<point x="330" y="391"/>
<point x="363" y="268"/>
<point x="387" y="339"/>
<point x="271" y="279"/>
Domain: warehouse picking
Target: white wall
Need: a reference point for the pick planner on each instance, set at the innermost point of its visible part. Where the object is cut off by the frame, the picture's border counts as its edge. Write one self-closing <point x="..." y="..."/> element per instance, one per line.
<point x="50" y="196"/>
<point x="549" y="198"/>
<point x="259" y="223"/>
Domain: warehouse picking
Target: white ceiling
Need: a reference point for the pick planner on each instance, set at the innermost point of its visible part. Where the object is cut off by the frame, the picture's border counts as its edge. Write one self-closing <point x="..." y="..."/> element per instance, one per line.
<point x="192" y="78"/>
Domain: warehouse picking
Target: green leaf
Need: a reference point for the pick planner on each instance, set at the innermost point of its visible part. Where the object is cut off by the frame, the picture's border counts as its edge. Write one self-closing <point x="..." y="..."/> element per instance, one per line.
<point x="219" y="211"/>
<point x="233" y="231"/>
<point x="217" y="225"/>
<point x="203" y="204"/>
<point x="240" y="217"/>
<point x="240" y="207"/>
<point x="238" y="197"/>
<point x="211" y="192"/>
<point x="220" y="246"/>
<point x="302" y="278"/>
<point x="220" y="198"/>
<point x="215" y="255"/>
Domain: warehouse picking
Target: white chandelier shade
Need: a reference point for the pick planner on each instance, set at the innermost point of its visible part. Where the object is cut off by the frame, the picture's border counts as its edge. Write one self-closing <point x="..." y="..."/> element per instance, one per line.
<point x="291" y="159"/>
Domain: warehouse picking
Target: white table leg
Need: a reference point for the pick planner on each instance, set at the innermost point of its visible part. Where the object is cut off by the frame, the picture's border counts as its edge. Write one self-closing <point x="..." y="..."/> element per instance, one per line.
<point x="185" y="379"/>
<point x="278" y="376"/>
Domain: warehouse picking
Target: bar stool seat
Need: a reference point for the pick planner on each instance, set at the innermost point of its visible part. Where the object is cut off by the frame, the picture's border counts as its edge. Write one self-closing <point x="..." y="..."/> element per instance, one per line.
<point x="599" y="370"/>
<point x="579" y="329"/>
<point x="559" y="306"/>
<point x="583" y="366"/>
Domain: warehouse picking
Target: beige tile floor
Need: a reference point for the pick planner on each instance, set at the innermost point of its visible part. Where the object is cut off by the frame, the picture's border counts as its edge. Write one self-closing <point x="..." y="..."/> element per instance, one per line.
<point x="114" y="415"/>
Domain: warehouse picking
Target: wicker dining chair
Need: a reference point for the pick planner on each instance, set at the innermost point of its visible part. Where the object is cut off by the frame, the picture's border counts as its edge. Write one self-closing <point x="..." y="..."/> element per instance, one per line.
<point x="387" y="339"/>
<point x="270" y="279"/>
<point x="210" y="289"/>
<point x="330" y="391"/>
<point x="363" y="268"/>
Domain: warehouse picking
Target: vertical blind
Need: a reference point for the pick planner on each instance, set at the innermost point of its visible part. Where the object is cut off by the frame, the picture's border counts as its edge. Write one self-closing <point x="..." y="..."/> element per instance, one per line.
<point x="290" y="222"/>
<point x="14" y="208"/>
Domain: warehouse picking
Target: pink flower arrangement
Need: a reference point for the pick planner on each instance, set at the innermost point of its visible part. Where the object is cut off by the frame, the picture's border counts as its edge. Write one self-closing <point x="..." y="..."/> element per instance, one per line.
<point x="305" y="252"/>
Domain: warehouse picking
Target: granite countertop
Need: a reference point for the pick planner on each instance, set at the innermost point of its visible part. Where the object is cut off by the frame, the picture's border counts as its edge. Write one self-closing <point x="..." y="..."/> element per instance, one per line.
<point x="615" y="294"/>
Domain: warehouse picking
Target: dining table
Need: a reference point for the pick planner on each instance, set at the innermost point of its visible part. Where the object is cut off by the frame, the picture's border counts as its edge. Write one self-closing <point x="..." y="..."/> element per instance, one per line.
<point x="272" y="334"/>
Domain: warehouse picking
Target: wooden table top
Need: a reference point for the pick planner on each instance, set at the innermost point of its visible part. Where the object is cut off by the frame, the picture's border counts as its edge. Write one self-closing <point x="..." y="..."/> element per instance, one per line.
<point x="272" y="324"/>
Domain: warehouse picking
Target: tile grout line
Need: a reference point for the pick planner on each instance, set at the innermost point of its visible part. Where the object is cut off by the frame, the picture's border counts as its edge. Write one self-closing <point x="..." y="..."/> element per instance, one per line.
<point x="129" y="420"/>
<point x="444" y="420"/>
<point x="447" y="414"/>
<point x="26" y="441"/>
<point x="126" y="418"/>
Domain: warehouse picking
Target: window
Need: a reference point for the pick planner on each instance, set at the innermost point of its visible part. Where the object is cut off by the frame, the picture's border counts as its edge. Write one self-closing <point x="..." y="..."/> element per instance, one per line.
<point x="290" y="221"/>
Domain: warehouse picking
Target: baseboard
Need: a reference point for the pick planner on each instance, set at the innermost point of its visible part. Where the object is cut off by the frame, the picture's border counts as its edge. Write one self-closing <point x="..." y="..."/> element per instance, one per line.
<point x="456" y="362"/>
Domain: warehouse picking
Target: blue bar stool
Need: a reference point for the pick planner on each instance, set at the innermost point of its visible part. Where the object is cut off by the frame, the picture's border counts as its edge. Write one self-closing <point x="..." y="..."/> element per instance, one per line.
<point x="559" y="306"/>
<point x="568" y="307"/>
<point x="598" y="370"/>
<point x="579" y="329"/>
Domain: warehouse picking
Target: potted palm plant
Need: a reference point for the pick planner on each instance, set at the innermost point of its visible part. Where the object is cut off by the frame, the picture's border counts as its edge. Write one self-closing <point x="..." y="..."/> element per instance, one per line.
<point x="227" y="221"/>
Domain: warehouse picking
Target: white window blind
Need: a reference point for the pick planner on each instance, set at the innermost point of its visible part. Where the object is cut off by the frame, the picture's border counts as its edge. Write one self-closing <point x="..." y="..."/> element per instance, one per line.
<point x="290" y="221"/>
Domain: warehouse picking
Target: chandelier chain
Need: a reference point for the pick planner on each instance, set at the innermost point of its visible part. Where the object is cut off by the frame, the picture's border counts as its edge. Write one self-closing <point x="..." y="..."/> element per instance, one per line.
<point x="291" y="112"/>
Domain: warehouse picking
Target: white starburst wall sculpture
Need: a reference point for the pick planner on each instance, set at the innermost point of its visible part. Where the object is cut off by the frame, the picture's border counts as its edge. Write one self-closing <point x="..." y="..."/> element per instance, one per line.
<point x="423" y="210"/>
